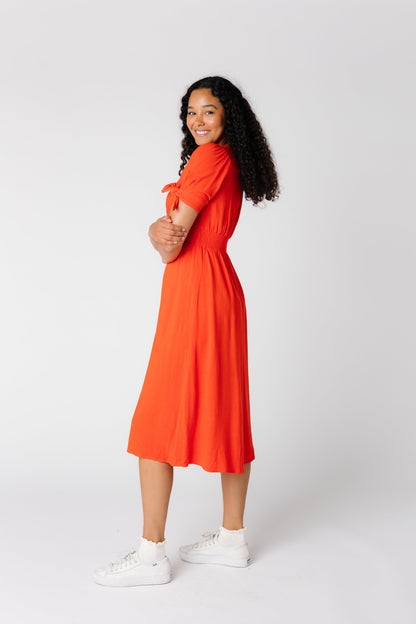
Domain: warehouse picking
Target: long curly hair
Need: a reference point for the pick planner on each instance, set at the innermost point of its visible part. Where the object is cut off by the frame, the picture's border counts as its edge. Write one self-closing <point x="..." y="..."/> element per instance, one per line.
<point x="243" y="133"/>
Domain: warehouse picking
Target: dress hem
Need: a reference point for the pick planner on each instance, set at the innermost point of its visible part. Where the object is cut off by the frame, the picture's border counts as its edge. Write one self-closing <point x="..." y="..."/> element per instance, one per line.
<point x="185" y="463"/>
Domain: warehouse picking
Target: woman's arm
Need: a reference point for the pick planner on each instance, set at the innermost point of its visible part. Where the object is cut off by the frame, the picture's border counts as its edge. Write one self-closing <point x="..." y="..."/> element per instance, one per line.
<point x="167" y="234"/>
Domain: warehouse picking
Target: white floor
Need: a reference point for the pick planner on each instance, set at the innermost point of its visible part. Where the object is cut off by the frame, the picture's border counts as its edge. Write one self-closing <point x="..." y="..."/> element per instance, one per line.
<point x="343" y="561"/>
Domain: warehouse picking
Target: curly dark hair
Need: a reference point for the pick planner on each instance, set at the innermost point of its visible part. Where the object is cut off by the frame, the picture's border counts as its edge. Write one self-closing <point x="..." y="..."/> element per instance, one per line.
<point x="243" y="133"/>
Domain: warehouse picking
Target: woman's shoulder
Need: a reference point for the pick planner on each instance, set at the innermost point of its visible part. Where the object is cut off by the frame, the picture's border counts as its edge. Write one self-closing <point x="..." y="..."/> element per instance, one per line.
<point x="210" y="154"/>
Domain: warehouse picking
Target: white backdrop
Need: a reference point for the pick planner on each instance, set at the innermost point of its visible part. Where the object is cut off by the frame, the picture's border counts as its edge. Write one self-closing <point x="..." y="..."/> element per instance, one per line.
<point x="89" y="134"/>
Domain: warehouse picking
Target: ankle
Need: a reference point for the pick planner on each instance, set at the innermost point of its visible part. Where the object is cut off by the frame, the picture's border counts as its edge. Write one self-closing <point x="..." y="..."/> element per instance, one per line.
<point x="153" y="537"/>
<point x="233" y="526"/>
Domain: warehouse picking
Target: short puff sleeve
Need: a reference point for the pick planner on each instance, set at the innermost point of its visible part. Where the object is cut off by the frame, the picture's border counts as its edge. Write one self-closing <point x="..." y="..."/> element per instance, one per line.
<point x="202" y="177"/>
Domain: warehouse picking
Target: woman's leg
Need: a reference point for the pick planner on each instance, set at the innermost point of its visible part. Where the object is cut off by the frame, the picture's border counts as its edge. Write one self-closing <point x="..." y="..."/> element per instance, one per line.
<point x="234" y="492"/>
<point x="156" y="480"/>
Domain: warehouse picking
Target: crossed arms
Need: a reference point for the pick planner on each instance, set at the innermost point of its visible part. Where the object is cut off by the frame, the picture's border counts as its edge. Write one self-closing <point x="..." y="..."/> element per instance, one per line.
<point x="168" y="233"/>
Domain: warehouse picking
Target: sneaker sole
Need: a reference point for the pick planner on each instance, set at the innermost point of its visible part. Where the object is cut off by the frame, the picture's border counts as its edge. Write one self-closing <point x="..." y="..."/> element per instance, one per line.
<point x="215" y="559"/>
<point x="145" y="580"/>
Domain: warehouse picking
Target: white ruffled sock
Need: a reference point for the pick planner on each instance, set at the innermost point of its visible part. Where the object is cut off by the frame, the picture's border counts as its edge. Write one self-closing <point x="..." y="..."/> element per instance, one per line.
<point x="228" y="537"/>
<point x="151" y="552"/>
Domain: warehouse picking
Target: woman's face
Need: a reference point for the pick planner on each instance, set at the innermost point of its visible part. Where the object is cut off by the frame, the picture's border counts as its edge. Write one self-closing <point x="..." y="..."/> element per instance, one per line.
<point x="206" y="117"/>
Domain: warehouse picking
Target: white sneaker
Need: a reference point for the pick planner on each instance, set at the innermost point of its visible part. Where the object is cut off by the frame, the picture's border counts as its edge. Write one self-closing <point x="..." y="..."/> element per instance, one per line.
<point x="223" y="547"/>
<point x="147" y="565"/>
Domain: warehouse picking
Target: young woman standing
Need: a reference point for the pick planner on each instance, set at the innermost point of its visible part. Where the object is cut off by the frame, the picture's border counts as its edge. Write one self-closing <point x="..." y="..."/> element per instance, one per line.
<point x="194" y="404"/>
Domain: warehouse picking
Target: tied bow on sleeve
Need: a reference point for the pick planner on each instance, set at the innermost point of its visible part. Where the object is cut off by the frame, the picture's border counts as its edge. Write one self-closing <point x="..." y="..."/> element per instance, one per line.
<point x="172" y="199"/>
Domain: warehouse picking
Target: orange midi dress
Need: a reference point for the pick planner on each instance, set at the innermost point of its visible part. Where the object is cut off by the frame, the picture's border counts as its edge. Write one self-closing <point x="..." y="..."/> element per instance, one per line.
<point x="194" y="404"/>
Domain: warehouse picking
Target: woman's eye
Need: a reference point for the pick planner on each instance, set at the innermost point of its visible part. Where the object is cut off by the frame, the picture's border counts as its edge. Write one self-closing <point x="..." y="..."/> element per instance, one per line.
<point x="206" y="112"/>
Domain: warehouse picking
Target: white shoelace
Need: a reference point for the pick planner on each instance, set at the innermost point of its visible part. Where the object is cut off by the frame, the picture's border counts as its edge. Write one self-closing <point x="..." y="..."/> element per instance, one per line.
<point x="130" y="559"/>
<point x="211" y="537"/>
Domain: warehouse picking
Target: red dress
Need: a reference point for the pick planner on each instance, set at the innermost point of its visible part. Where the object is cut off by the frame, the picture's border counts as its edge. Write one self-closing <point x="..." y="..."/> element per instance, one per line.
<point x="194" y="404"/>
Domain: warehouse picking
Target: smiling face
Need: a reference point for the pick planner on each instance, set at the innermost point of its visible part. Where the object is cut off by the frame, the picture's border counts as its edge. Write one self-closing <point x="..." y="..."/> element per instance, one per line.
<point x="206" y="117"/>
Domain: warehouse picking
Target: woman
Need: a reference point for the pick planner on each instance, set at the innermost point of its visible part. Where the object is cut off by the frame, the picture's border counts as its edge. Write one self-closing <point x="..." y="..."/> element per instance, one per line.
<point x="194" y="404"/>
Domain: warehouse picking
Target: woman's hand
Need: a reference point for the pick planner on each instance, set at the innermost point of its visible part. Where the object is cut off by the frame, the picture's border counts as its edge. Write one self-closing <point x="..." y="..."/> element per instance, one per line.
<point x="168" y="233"/>
<point x="164" y="232"/>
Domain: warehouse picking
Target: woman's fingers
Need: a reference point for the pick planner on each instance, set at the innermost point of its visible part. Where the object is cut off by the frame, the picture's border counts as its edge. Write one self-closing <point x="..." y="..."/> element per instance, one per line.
<point x="173" y="226"/>
<point x="176" y="234"/>
<point x="178" y="237"/>
<point x="173" y="231"/>
<point x="166" y="232"/>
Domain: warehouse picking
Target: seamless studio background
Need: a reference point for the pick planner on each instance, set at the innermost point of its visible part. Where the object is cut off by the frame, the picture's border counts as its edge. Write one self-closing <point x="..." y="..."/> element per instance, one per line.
<point x="89" y="134"/>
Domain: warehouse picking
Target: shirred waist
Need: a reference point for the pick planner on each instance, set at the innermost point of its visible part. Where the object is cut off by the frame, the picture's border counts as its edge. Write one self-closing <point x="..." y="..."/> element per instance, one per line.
<point x="207" y="238"/>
